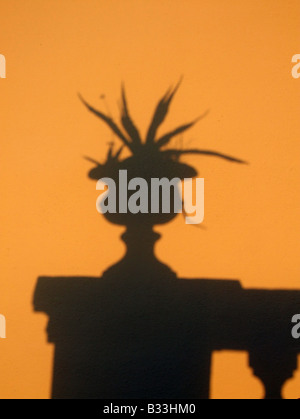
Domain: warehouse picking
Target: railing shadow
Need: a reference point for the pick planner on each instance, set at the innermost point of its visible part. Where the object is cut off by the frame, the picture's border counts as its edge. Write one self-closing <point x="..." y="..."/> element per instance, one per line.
<point x="144" y="333"/>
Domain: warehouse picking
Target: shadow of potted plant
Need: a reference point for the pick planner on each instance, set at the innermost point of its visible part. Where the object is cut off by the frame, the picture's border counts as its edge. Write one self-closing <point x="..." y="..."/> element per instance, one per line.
<point x="150" y="158"/>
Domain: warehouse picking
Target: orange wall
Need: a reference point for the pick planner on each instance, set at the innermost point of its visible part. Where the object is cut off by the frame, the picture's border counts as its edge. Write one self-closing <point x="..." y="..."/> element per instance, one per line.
<point x="236" y="60"/>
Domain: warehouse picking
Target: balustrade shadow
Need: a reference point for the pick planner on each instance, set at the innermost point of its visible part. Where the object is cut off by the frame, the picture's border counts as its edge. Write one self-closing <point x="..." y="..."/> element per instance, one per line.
<point x="140" y="332"/>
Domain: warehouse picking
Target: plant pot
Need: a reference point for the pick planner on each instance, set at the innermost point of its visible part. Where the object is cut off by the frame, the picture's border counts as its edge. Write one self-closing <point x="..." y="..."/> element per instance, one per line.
<point x="145" y="168"/>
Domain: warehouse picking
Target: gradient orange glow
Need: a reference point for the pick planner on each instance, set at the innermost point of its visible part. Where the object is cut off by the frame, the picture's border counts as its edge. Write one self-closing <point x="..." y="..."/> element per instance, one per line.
<point x="236" y="60"/>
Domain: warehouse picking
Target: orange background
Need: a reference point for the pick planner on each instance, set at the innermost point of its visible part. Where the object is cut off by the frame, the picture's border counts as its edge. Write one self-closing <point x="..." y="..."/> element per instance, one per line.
<point x="236" y="60"/>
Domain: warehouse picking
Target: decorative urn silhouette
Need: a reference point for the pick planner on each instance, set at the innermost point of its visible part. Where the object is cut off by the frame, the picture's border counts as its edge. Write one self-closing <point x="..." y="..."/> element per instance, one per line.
<point x="150" y="158"/>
